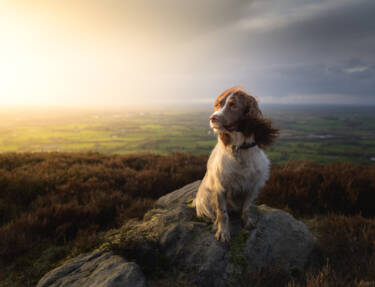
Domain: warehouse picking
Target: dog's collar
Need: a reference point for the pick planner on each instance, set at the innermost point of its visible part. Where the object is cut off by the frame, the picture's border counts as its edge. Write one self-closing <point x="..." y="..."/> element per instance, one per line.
<point x="245" y="146"/>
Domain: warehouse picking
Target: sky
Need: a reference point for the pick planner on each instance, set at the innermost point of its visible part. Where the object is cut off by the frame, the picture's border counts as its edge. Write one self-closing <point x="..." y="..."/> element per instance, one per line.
<point x="115" y="53"/>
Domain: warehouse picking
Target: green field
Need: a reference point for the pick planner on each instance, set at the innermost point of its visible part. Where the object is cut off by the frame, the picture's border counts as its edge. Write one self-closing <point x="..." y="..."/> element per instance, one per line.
<point x="315" y="133"/>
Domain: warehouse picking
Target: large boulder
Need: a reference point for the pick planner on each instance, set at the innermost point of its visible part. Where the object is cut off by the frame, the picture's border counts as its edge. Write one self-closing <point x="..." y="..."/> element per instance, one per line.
<point x="99" y="268"/>
<point x="171" y="239"/>
<point x="278" y="240"/>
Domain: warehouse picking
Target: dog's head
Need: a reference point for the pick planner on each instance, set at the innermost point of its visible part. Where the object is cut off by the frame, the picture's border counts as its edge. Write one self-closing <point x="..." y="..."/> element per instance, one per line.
<point x="237" y="111"/>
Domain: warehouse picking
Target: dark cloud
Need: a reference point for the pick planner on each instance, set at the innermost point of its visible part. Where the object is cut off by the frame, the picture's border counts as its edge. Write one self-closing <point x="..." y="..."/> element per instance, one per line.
<point x="346" y="31"/>
<point x="336" y="49"/>
<point x="319" y="48"/>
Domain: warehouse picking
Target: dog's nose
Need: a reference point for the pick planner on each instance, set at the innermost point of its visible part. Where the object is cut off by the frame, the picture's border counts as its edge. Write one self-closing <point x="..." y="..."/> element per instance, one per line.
<point x="214" y="118"/>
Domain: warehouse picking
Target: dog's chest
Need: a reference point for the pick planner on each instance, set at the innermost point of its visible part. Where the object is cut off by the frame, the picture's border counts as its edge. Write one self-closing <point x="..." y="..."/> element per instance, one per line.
<point x="241" y="175"/>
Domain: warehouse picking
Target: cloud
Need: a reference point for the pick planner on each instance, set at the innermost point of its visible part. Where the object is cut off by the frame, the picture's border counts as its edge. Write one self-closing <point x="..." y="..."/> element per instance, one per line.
<point x="311" y="48"/>
<point x="177" y="50"/>
<point x="357" y="69"/>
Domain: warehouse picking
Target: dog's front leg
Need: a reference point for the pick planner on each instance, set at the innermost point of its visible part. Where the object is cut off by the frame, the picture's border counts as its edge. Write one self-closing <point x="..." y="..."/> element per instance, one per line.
<point x="247" y="222"/>
<point x="222" y="218"/>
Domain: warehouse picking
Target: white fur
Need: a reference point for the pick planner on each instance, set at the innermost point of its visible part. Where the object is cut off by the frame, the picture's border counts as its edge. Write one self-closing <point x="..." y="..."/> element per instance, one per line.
<point x="230" y="172"/>
<point x="220" y="112"/>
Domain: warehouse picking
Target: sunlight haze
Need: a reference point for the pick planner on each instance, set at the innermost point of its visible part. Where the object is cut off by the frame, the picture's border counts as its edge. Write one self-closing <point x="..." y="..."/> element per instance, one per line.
<point x="134" y="53"/>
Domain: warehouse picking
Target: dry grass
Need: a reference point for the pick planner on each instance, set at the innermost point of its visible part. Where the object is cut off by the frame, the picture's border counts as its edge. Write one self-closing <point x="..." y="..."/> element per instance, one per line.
<point x="53" y="204"/>
<point x="306" y="189"/>
<point x="68" y="199"/>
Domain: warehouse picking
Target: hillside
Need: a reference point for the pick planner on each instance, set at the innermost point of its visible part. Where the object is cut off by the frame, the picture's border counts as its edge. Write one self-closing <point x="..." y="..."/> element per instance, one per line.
<point x="57" y="205"/>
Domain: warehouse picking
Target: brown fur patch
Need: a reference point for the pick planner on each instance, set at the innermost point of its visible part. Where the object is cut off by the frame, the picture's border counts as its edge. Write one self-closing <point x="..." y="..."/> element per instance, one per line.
<point x="264" y="133"/>
<point x="225" y="138"/>
<point x="224" y="95"/>
<point x="252" y="108"/>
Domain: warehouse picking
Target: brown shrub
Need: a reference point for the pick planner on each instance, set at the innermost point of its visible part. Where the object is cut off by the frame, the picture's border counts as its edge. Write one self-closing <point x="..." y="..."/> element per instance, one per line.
<point x="349" y="244"/>
<point x="56" y="199"/>
<point x="52" y="197"/>
<point x="307" y="188"/>
<point x="346" y="251"/>
<point x="326" y="277"/>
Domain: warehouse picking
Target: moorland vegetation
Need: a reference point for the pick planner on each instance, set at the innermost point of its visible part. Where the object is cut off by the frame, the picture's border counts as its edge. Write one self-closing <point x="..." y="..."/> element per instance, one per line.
<point x="57" y="205"/>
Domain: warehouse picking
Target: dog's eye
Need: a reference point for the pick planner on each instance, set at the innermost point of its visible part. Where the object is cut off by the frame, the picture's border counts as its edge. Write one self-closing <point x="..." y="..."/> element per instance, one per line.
<point x="232" y="105"/>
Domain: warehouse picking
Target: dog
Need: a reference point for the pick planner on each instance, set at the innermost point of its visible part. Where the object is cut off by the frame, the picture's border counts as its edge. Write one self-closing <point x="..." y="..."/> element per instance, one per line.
<point x="237" y="167"/>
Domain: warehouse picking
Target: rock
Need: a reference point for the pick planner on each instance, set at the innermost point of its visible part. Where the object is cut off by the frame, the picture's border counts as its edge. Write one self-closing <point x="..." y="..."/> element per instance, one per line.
<point x="278" y="240"/>
<point x="171" y="239"/>
<point x="99" y="268"/>
<point x="185" y="194"/>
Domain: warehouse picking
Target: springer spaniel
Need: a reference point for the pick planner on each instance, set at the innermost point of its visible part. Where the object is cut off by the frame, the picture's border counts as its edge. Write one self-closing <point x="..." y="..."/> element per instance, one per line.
<point x="237" y="168"/>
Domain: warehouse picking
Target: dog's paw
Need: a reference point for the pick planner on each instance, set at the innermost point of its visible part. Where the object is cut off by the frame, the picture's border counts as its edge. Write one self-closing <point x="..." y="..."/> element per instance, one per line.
<point x="222" y="236"/>
<point x="248" y="224"/>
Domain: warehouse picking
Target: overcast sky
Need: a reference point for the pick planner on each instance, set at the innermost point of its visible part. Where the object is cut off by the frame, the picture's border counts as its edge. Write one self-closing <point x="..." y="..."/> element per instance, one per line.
<point x="124" y="53"/>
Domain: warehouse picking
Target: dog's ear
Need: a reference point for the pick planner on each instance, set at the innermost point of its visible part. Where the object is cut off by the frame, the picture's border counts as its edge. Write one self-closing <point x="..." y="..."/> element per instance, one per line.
<point x="253" y="123"/>
<point x="264" y="133"/>
<point x="252" y="109"/>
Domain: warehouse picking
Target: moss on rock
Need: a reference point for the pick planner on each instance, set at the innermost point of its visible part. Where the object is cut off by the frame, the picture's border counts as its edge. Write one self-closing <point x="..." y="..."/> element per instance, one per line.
<point x="237" y="245"/>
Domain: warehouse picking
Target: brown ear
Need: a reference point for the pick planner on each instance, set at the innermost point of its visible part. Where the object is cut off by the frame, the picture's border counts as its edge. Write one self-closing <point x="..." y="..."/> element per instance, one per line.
<point x="264" y="133"/>
<point x="262" y="130"/>
<point x="252" y="107"/>
<point x="253" y="123"/>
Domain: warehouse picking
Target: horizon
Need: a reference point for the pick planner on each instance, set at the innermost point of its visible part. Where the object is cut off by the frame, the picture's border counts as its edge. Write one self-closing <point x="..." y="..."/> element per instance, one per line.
<point x="65" y="111"/>
<point x="163" y="104"/>
<point x="307" y="132"/>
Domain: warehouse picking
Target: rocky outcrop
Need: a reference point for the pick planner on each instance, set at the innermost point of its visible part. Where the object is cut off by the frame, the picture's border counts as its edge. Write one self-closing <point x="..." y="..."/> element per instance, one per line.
<point x="277" y="240"/>
<point x="171" y="235"/>
<point x="99" y="268"/>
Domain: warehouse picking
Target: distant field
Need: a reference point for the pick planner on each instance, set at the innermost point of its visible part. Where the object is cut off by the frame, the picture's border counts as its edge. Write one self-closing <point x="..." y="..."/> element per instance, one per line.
<point x="322" y="134"/>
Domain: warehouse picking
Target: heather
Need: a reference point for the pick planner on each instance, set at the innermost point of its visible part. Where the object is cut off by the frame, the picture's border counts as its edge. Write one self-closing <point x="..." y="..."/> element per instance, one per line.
<point x="56" y="205"/>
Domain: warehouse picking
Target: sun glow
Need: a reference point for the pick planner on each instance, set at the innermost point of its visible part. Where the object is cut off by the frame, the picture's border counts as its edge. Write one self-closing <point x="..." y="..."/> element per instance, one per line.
<point x="56" y="55"/>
